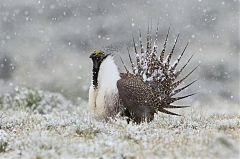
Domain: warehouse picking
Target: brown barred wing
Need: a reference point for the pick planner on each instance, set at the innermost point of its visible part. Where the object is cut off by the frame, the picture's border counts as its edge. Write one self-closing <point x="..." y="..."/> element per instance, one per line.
<point x="137" y="97"/>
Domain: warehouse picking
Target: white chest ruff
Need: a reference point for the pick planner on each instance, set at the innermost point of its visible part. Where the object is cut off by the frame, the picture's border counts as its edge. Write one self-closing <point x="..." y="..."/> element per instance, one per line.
<point x="104" y="101"/>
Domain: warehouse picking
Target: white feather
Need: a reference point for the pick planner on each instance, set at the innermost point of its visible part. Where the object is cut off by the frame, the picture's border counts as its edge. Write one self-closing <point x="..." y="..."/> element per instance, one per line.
<point x="103" y="101"/>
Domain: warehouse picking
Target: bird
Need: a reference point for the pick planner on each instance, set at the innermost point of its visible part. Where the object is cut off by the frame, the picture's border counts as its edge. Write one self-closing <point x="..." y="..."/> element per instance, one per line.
<point x="138" y="94"/>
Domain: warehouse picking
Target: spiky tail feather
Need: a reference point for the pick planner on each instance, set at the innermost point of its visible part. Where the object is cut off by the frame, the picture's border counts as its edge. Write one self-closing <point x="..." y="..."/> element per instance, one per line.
<point x="156" y="70"/>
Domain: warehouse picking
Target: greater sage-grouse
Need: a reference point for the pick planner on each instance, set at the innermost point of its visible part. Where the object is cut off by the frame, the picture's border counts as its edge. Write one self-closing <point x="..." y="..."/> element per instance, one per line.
<point x="149" y="88"/>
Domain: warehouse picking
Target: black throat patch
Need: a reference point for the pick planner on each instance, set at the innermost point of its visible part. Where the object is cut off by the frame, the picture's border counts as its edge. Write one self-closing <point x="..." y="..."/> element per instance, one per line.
<point x="96" y="67"/>
<point x="97" y="60"/>
<point x="95" y="77"/>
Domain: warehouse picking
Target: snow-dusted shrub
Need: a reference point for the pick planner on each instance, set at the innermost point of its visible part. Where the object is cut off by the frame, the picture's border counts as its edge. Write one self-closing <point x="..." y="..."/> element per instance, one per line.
<point x="87" y="133"/>
<point x="27" y="98"/>
<point x="3" y="141"/>
<point x="34" y="100"/>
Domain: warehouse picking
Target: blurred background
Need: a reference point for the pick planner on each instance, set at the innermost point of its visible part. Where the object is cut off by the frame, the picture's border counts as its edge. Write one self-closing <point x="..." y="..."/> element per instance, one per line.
<point x="45" y="44"/>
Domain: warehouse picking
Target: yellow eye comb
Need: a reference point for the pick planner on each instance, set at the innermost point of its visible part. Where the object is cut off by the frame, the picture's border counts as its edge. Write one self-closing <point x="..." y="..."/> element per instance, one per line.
<point x="97" y="52"/>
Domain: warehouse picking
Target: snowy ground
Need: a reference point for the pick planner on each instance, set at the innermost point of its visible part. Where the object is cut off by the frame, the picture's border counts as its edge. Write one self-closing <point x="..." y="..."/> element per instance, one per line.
<point x="69" y="132"/>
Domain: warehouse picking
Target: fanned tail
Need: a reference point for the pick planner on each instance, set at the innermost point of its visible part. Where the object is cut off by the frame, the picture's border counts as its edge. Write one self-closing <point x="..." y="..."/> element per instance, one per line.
<point x="157" y="71"/>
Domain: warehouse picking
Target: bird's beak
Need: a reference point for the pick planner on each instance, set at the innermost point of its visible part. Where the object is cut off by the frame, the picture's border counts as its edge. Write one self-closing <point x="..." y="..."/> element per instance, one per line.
<point x="91" y="56"/>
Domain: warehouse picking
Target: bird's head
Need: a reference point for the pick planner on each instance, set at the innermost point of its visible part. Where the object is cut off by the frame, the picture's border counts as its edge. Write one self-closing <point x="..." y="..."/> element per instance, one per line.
<point x="98" y="57"/>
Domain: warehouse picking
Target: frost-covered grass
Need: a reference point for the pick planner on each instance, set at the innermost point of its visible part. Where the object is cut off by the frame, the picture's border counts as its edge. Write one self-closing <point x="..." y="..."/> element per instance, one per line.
<point x="66" y="130"/>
